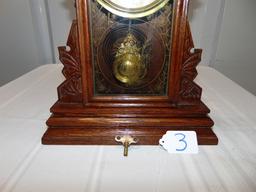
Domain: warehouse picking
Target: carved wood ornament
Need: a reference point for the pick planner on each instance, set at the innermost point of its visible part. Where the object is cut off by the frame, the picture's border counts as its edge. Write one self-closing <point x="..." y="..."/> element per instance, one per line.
<point x="82" y="117"/>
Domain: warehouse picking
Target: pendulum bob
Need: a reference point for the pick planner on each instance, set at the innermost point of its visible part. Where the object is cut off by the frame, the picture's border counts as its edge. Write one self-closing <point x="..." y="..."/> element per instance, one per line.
<point x="128" y="67"/>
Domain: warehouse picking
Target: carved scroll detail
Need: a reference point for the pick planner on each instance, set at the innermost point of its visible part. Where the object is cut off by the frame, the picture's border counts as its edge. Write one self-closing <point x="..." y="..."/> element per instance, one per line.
<point x="71" y="88"/>
<point x="191" y="58"/>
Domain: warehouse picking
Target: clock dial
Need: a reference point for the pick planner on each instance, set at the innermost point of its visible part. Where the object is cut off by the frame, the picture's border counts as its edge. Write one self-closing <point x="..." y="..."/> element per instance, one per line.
<point x="135" y="4"/>
<point x="133" y="8"/>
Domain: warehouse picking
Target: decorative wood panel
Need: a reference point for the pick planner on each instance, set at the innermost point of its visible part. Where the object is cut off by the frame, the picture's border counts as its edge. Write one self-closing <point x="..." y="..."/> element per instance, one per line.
<point x="71" y="89"/>
<point x="191" y="58"/>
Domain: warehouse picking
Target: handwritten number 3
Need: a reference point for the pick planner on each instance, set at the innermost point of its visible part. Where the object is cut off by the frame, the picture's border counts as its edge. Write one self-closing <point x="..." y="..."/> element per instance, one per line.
<point x="182" y="140"/>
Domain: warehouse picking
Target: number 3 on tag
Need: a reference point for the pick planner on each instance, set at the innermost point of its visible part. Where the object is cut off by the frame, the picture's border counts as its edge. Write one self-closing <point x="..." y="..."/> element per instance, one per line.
<point x="180" y="142"/>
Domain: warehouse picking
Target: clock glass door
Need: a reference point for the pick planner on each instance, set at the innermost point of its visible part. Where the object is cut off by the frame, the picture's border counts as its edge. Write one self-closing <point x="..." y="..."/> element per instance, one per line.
<point x="130" y="43"/>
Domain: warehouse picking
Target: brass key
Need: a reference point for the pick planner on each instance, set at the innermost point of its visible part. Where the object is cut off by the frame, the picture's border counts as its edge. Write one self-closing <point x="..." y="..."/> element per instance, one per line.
<point x="126" y="140"/>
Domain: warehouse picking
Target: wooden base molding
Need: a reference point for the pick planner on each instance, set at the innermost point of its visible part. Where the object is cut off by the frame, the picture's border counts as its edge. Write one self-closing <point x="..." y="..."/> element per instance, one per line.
<point x="90" y="126"/>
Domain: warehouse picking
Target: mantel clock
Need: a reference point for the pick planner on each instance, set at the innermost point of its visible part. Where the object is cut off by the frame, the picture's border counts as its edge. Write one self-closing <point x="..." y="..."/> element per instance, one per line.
<point x="130" y="67"/>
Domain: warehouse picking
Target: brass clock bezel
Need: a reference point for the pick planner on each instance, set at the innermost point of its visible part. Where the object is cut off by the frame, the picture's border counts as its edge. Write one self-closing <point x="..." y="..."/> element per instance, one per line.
<point x="133" y="13"/>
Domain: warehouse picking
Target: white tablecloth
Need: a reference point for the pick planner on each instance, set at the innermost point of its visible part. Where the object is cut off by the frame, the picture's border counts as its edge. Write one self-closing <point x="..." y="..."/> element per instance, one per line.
<point x="28" y="166"/>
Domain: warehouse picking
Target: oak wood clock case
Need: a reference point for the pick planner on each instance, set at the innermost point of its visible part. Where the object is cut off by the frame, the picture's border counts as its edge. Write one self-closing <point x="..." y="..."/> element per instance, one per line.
<point x="81" y="116"/>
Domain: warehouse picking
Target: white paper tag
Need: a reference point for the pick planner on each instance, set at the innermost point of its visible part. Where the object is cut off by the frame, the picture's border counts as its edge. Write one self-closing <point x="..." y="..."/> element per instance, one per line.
<point x="180" y="142"/>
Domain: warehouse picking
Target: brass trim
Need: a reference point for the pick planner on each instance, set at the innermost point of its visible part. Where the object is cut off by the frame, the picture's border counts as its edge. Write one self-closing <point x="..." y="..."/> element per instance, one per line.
<point x="133" y="13"/>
